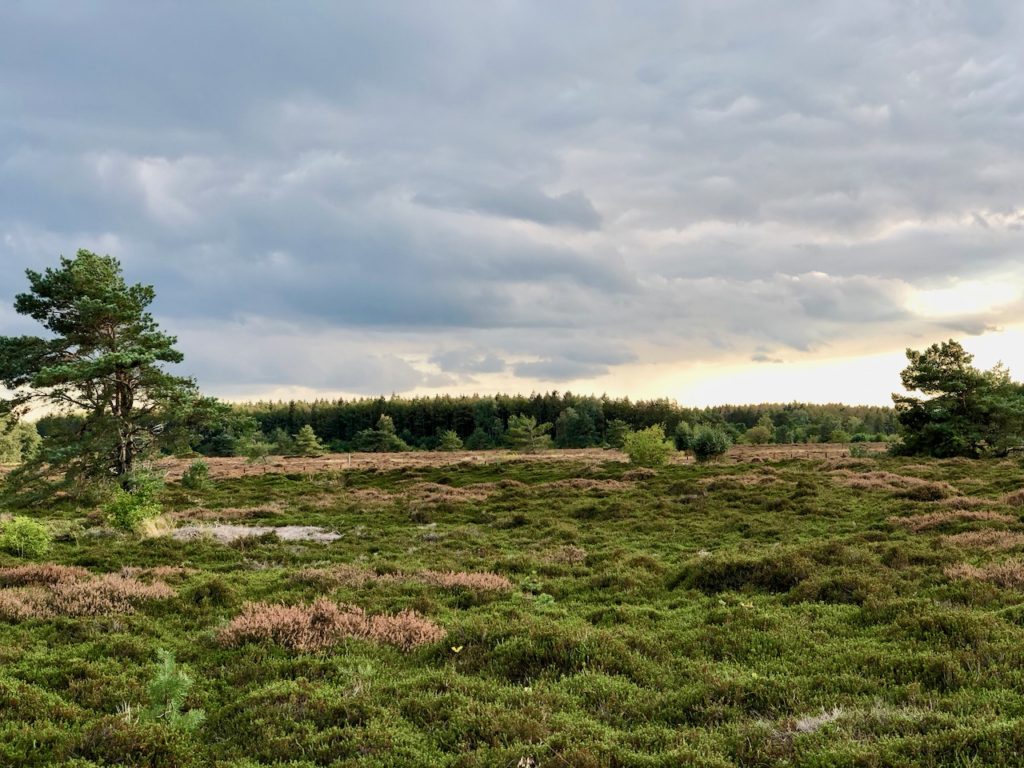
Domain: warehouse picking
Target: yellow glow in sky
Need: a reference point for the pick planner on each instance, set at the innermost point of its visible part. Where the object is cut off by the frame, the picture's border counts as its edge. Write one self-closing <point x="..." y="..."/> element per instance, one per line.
<point x="968" y="297"/>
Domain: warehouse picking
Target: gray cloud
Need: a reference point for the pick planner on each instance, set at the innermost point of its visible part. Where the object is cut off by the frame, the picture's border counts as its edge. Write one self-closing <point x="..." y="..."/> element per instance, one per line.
<point x="468" y="361"/>
<point x="565" y="186"/>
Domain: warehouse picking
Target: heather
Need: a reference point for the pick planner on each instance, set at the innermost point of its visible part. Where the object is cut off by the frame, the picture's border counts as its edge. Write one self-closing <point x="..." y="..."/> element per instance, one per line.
<point x="763" y="609"/>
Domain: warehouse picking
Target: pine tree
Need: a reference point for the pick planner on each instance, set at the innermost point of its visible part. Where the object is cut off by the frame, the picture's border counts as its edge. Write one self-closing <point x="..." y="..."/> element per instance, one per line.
<point x="100" y="361"/>
<point x="525" y="435"/>
<point x="307" y="443"/>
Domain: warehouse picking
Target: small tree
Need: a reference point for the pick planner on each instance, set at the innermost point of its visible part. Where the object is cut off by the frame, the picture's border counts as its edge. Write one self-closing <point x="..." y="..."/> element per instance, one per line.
<point x="449" y="441"/>
<point x="525" y="435"/>
<point x="197" y="476"/>
<point x="307" y="443"/>
<point x="616" y="432"/>
<point x="575" y="429"/>
<point x="683" y="436"/>
<point x="479" y="440"/>
<point x="168" y="690"/>
<point x="256" y="449"/>
<point x="709" y="443"/>
<point x="648" y="447"/>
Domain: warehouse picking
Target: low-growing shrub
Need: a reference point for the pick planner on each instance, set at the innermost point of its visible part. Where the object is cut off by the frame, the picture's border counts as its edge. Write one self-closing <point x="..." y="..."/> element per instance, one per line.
<point x="24" y="537"/>
<point x="648" y="447"/>
<point x="774" y="572"/>
<point x="1006" y="574"/>
<point x="128" y="511"/>
<point x="72" y="595"/>
<point x="482" y="582"/>
<point x="197" y="476"/>
<point x="325" y="624"/>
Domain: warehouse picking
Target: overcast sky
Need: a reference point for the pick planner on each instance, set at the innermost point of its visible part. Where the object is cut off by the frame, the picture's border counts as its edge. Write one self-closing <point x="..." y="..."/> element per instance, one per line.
<point x="711" y="201"/>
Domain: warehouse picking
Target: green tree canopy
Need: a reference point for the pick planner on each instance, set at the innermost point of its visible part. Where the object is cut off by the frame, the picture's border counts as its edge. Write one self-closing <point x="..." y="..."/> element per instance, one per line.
<point x="526" y="435"/>
<point x="101" y="360"/>
<point x="968" y="412"/>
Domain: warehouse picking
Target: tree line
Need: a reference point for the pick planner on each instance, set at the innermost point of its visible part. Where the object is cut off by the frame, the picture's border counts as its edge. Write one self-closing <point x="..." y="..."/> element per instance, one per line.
<point x="577" y="421"/>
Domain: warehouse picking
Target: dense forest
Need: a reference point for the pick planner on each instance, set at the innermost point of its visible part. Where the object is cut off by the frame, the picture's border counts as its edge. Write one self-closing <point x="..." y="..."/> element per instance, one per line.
<point x="578" y="421"/>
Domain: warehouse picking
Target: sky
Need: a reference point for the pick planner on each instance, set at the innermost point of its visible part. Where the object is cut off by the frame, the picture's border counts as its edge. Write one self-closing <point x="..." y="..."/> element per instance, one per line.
<point x="708" y="201"/>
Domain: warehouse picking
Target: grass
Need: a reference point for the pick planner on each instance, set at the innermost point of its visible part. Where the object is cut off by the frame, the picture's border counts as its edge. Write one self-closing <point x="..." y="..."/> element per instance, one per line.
<point x="793" y="612"/>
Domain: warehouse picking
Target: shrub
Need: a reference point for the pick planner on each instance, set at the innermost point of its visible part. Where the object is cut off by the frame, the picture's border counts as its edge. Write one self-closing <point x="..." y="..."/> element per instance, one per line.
<point x="648" y="447"/>
<point x="709" y="443"/>
<point x="256" y="451"/>
<point x="615" y="432"/>
<point x="66" y="592"/>
<point x="479" y="440"/>
<point x="197" y="476"/>
<point x="683" y="436"/>
<point x="324" y="624"/>
<point x="449" y="441"/>
<point x="773" y="572"/>
<point x="128" y="511"/>
<point x="24" y="537"/>
<point x="144" y="484"/>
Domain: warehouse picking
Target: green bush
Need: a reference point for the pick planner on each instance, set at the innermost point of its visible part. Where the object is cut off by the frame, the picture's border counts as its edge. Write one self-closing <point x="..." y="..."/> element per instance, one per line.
<point x="615" y="433"/>
<point x="772" y="572"/>
<point x="449" y="441"/>
<point x="197" y="476"/>
<point x="128" y="511"/>
<point x="709" y="443"/>
<point x="648" y="447"/>
<point x="24" y="537"/>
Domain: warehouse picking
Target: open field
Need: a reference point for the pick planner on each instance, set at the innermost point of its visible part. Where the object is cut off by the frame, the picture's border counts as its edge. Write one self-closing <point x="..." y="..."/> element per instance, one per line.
<point x="567" y="609"/>
<point x="236" y="466"/>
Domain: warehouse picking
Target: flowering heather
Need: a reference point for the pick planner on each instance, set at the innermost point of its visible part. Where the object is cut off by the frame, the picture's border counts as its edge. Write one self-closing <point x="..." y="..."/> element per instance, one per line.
<point x="75" y="594"/>
<point x="990" y="540"/>
<point x="42" y="573"/>
<point x="480" y="582"/>
<point x="325" y="624"/>
<point x="1006" y="574"/>
<point x="917" y="523"/>
<point x="345" y="575"/>
<point x="913" y="487"/>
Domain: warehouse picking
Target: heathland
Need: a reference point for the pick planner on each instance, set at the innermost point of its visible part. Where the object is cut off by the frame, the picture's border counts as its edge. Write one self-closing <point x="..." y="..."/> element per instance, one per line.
<point x="493" y="610"/>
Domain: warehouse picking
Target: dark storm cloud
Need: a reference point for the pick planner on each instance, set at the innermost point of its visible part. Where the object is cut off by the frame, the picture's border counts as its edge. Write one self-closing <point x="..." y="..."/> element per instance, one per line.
<point x="534" y="188"/>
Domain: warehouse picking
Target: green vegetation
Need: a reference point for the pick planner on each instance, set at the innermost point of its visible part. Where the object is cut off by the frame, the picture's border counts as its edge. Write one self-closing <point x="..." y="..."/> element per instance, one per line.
<point x="578" y="421"/>
<point x="648" y="447"/>
<point x="100" y="366"/>
<point x="25" y="537"/>
<point x="970" y="412"/>
<point x="709" y="443"/>
<point x="307" y="443"/>
<point x="526" y="435"/>
<point x="790" y="613"/>
<point x="19" y="441"/>
<point x="449" y="441"/>
<point x="197" y="476"/>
